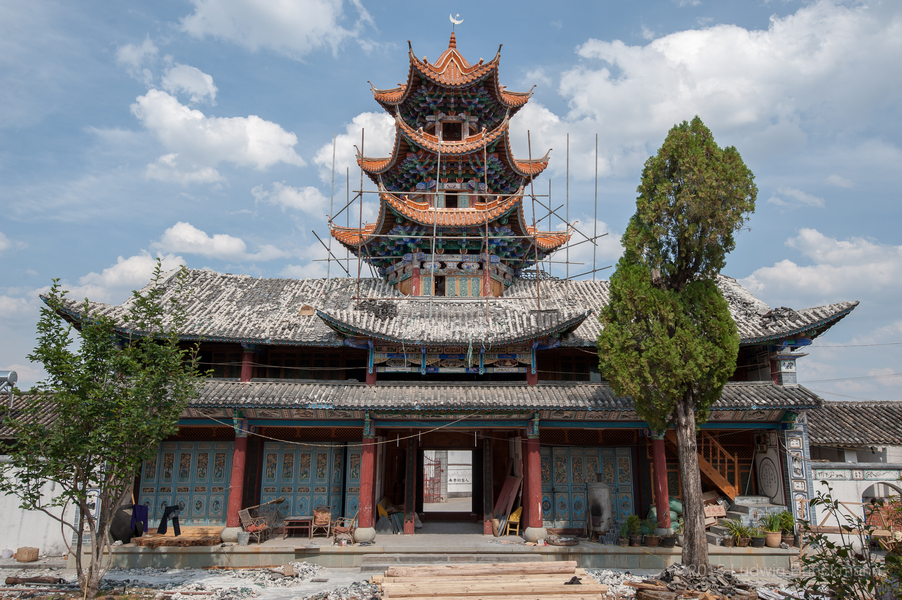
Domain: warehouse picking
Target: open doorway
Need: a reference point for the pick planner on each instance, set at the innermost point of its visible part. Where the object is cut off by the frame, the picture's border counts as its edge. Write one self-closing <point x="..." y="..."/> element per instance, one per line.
<point x="448" y="481"/>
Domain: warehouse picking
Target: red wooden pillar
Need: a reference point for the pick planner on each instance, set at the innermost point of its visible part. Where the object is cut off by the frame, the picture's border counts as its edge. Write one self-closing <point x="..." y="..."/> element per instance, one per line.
<point x="236" y="482"/>
<point x="247" y="362"/>
<point x="534" y="528"/>
<point x="410" y="487"/>
<point x="662" y="495"/>
<point x="367" y="478"/>
<point x="415" y="286"/>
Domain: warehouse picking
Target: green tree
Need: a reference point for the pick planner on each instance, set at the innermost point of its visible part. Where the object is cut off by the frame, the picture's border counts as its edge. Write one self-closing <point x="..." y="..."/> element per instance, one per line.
<point x="111" y="398"/>
<point x="668" y="339"/>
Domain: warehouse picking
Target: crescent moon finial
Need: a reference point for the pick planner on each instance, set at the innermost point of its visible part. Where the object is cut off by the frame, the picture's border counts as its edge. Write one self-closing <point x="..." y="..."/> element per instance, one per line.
<point x="455" y="21"/>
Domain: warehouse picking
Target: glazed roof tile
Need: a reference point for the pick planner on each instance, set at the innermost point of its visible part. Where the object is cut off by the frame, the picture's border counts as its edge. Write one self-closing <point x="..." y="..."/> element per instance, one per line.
<point x="430" y="142"/>
<point x="490" y="396"/>
<point x="452" y="69"/>
<point x="421" y="213"/>
<point x="240" y="308"/>
<point x="856" y="424"/>
<point x="45" y="414"/>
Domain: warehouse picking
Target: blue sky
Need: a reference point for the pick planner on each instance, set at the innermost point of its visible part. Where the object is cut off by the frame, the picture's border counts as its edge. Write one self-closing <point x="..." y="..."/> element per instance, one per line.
<point x="201" y="131"/>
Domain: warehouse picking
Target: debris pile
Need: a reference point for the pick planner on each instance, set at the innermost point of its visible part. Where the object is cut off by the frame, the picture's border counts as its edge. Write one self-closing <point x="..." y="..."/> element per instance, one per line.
<point x="615" y="580"/>
<point x="294" y="573"/>
<point x="193" y="591"/>
<point x="715" y="581"/>
<point x="359" y="590"/>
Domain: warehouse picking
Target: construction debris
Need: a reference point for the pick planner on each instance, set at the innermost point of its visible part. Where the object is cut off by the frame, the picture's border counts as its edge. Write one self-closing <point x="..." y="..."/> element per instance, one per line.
<point x="716" y="581"/>
<point x="505" y="581"/>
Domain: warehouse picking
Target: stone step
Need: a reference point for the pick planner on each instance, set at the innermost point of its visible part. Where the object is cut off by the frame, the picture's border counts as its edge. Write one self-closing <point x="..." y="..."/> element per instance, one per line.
<point x="378" y="563"/>
<point x="759" y="509"/>
<point x="714" y="538"/>
<point x="756" y="500"/>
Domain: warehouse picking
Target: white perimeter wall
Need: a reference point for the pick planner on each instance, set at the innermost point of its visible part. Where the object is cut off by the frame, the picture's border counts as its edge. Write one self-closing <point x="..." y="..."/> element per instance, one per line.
<point x="20" y="528"/>
<point x="460" y="472"/>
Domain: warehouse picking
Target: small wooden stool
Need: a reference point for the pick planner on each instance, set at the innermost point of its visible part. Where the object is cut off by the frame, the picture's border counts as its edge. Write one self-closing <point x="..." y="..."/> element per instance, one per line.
<point x="300" y="524"/>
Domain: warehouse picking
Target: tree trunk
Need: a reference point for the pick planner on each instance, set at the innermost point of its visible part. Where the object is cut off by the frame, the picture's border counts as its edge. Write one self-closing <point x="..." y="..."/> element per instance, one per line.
<point x="695" y="544"/>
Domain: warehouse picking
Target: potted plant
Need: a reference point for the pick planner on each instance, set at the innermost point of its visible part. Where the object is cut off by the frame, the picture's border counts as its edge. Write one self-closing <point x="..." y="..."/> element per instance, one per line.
<point x="772" y="524"/>
<point x="651" y="540"/>
<point x="758" y="537"/>
<point x="787" y="527"/>
<point x="735" y="530"/>
<point x="624" y="535"/>
<point x="632" y="525"/>
<point x="669" y="541"/>
<point x="678" y="532"/>
<point x="745" y="536"/>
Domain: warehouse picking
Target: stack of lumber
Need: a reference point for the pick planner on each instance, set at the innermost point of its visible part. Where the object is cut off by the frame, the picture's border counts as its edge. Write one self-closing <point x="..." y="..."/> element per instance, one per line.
<point x="190" y="536"/>
<point x="506" y="581"/>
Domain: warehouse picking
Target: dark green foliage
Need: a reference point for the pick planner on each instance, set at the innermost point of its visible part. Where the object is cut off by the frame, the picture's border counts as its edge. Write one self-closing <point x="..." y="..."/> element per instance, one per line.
<point x="659" y="345"/>
<point x="844" y="565"/>
<point x="113" y="398"/>
<point x="668" y="339"/>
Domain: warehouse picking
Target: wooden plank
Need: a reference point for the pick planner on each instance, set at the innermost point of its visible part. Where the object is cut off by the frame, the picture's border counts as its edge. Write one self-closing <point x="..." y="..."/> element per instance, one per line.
<point x="494" y="577"/>
<point x="495" y="590"/>
<point x="525" y="596"/>
<point x="562" y="566"/>
<point x="514" y="586"/>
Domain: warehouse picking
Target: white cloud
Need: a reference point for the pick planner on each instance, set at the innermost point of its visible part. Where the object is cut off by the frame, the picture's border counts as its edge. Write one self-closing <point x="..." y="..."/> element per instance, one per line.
<point x="4" y="242"/>
<point x="185" y="238"/>
<point x="294" y="29"/>
<point x="114" y="283"/>
<point x="838" y="181"/>
<point x="763" y="90"/>
<point x="537" y="77"/>
<point x="14" y="308"/>
<point x="309" y="199"/>
<point x="197" y="143"/>
<point x="647" y="33"/>
<point x="379" y="142"/>
<point x="841" y="269"/>
<point x="800" y="197"/>
<point x="135" y="59"/>
<point x="192" y="81"/>
<point x="607" y="252"/>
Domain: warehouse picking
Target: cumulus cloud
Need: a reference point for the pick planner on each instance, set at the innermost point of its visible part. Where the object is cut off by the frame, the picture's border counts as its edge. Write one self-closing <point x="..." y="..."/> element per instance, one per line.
<point x="840" y="269"/>
<point x="136" y="59"/>
<point x="115" y="282"/>
<point x="796" y="198"/>
<point x="197" y="143"/>
<point x="4" y="242"/>
<point x="379" y="142"/>
<point x="192" y="81"/>
<point x="294" y="29"/>
<point x="185" y="238"/>
<point x="838" y="181"/>
<point x="14" y="308"/>
<point x="764" y="90"/>
<point x="308" y="200"/>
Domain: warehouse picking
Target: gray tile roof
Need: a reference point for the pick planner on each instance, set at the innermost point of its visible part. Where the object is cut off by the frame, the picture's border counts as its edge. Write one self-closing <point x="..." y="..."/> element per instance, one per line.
<point x="45" y="412"/>
<point x="240" y="308"/>
<point x="856" y="424"/>
<point x="478" y="395"/>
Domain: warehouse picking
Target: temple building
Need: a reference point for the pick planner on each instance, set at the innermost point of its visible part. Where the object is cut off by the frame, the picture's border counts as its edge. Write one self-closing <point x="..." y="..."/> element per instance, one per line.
<point x="330" y="391"/>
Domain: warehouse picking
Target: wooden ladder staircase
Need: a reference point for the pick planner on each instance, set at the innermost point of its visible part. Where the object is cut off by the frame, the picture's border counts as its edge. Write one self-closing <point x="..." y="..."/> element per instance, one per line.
<point x="713" y="461"/>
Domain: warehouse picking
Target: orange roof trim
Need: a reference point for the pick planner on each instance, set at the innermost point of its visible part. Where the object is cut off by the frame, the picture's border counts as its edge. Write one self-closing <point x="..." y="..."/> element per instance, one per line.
<point x="422" y="213"/>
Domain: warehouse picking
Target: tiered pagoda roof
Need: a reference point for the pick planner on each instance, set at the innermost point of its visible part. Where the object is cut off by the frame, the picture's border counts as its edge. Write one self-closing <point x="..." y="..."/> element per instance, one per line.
<point x="401" y="216"/>
<point x="452" y="137"/>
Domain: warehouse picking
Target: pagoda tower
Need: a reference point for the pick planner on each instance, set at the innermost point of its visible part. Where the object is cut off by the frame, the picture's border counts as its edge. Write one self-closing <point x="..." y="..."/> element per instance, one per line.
<point x="451" y="219"/>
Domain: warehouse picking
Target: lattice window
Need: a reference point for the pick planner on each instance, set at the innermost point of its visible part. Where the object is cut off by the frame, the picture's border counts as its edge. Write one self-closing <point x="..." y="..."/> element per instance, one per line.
<point x="618" y="436"/>
<point x="552" y="436"/>
<point x="583" y="437"/>
<point x="205" y="432"/>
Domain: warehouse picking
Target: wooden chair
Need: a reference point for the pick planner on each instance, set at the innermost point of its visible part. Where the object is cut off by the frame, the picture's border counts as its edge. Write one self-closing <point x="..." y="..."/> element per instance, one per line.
<point x="345" y="525"/>
<point x="514" y="520"/>
<point x="322" y="520"/>
<point x="255" y="526"/>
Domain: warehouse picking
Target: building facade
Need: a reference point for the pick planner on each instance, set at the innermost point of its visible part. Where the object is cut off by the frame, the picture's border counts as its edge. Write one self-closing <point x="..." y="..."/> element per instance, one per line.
<point x="330" y="391"/>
